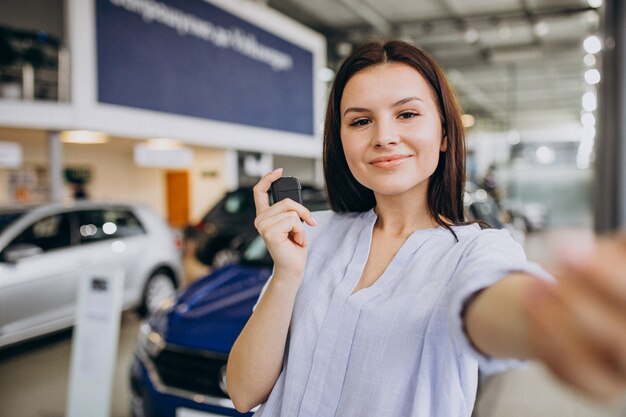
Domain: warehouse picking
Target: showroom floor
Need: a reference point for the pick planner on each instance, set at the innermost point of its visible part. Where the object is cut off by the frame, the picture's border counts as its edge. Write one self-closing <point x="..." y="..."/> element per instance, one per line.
<point x="33" y="378"/>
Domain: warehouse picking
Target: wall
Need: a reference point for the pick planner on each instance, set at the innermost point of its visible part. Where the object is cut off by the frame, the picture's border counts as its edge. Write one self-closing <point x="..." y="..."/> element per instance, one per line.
<point x="114" y="175"/>
<point x="208" y="182"/>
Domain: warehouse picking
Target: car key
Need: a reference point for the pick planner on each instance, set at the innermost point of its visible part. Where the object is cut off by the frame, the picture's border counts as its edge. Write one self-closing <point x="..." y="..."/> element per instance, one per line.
<point x="286" y="187"/>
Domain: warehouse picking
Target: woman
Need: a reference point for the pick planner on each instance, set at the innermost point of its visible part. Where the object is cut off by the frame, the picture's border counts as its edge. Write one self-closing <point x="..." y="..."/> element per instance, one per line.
<point x="386" y="305"/>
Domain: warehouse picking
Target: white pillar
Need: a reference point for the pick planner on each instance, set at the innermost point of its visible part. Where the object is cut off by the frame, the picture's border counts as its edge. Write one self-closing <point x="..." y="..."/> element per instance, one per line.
<point x="55" y="165"/>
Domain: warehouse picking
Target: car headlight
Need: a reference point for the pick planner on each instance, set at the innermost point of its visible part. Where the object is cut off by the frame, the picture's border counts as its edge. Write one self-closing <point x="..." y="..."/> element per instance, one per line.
<point x="149" y="340"/>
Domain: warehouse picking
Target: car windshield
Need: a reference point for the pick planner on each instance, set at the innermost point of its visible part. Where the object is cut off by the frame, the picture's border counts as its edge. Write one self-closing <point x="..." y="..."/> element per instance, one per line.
<point x="6" y="218"/>
<point x="256" y="253"/>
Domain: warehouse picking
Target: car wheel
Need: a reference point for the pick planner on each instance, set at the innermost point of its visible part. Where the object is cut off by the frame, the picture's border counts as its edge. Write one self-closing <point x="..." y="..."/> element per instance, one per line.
<point x="160" y="287"/>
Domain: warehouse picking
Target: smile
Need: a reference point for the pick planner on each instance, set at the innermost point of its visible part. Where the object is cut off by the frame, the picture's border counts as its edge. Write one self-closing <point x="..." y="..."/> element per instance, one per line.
<point x="389" y="161"/>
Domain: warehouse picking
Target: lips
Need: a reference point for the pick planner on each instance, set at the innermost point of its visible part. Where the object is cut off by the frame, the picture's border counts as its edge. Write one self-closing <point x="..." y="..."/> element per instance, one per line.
<point x="389" y="161"/>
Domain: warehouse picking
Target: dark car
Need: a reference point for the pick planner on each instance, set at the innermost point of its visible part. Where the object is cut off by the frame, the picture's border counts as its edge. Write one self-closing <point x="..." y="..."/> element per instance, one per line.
<point x="180" y="360"/>
<point x="230" y="224"/>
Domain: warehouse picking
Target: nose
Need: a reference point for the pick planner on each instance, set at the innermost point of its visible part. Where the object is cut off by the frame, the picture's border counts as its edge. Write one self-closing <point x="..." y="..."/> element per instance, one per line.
<point x="384" y="135"/>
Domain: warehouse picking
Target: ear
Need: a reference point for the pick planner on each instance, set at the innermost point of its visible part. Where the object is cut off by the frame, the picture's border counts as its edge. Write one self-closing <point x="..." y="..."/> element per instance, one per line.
<point x="444" y="144"/>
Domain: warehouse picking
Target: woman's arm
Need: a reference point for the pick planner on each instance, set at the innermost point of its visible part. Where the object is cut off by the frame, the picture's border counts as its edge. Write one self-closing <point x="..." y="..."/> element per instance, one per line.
<point x="576" y="326"/>
<point x="496" y="321"/>
<point x="256" y="359"/>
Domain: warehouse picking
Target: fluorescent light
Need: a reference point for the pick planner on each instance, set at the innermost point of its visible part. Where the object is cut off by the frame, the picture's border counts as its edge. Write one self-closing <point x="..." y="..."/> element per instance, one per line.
<point x="595" y="3"/>
<point x="326" y="74"/>
<point x="545" y="155"/>
<point x="592" y="76"/>
<point x="471" y="35"/>
<point x="541" y="28"/>
<point x="514" y="137"/>
<point x="592" y="44"/>
<point x="588" y="119"/>
<point x="163" y="144"/>
<point x="589" y="60"/>
<point x="85" y="137"/>
<point x="589" y="101"/>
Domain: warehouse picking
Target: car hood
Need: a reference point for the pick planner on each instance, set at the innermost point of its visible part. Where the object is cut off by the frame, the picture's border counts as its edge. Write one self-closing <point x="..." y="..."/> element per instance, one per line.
<point x="210" y="314"/>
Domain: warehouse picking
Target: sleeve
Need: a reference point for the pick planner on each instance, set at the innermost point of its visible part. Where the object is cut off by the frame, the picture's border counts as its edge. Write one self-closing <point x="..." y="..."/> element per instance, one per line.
<point x="322" y="218"/>
<point x="489" y="257"/>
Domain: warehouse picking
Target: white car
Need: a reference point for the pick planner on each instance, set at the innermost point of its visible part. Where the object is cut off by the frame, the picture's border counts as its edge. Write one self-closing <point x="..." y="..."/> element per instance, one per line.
<point x="44" y="250"/>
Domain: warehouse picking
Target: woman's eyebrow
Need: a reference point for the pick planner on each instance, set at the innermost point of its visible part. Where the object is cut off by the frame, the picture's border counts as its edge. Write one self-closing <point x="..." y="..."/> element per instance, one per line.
<point x="406" y="100"/>
<point x="396" y="104"/>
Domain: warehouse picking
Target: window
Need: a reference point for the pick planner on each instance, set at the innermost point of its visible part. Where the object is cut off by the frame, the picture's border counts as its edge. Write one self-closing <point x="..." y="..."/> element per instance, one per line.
<point x="9" y="217"/>
<point x="238" y="201"/>
<point x="97" y="225"/>
<point x="49" y="233"/>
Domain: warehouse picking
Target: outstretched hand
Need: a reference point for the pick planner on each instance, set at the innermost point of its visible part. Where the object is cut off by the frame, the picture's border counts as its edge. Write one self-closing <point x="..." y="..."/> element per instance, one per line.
<point x="577" y="325"/>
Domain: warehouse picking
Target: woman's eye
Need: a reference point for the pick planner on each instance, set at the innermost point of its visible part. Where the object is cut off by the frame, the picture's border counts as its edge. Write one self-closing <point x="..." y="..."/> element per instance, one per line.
<point x="408" y="115"/>
<point x="360" y="122"/>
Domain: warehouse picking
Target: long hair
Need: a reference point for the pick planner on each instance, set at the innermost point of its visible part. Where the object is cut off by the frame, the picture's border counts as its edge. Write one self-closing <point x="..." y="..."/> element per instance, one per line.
<point x="446" y="184"/>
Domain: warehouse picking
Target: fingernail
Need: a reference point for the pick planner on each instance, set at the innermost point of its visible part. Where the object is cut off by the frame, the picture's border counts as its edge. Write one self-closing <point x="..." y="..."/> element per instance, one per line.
<point x="314" y="221"/>
<point x="278" y="170"/>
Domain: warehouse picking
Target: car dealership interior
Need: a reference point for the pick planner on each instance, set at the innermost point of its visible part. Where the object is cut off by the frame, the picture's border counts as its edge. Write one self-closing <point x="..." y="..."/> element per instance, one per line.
<point x="133" y="131"/>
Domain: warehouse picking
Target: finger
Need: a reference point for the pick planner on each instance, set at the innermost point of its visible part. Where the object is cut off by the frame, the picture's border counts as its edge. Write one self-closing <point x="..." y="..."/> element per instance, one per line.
<point x="261" y="198"/>
<point x="283" y="226"/>
<point x="568" y="355"/>
<point x="289" y="205"/>
<point x="603" y="323"/>
<point x="602" y="267"/>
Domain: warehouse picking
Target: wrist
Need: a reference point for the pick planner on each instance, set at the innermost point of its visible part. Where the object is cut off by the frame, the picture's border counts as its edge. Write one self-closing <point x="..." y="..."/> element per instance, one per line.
<point x="287" y="277"/>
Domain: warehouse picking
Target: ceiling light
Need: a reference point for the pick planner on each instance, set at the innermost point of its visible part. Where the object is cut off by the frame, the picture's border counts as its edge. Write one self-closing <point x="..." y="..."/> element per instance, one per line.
<point x="513" y="137"/>
<point x="163" y="144"/>
<point x="326" y="74"/>
<point x="468" y="120"/>
<point x="592" y="76"/>
<point x="589" y="101"/>
<point x="471" y="35"/>
<point x="589" y="60"/>
<point x="343" y="49"/>
<point x="588" y="133"/>
<point x="541" y="28"/>
<point x="595" y="3"/>
<point x="545" y="155"/>
<point x="588" y="119"/>
<point x="85" y="137"/>
<point x="592" y="44"/>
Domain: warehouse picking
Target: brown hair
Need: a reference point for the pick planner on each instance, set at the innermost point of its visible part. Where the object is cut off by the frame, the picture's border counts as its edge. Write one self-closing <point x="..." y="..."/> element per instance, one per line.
<point x="446" y="185"/>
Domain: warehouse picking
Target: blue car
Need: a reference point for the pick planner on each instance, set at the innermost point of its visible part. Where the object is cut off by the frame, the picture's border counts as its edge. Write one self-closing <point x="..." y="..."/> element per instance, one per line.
<point x="179" y="366"/>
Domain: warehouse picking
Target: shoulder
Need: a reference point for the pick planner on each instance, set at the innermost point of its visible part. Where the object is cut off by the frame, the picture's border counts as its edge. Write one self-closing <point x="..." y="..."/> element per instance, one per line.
<point x="488" y="242"/>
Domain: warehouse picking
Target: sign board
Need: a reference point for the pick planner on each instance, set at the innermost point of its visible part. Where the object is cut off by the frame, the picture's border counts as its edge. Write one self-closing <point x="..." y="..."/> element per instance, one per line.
<point x="146" y="156"/>
<point x="94" y="343"/>
<point x="10" y="155"/>
<point x="192" y="58"/>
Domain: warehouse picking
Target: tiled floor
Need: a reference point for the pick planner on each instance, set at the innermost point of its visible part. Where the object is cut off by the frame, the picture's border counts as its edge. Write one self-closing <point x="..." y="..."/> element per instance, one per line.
<point x="33" y="378"/>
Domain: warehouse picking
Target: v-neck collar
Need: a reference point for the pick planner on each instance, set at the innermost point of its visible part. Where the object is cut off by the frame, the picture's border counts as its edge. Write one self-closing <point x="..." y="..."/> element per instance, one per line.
<point x="392" y="272"/>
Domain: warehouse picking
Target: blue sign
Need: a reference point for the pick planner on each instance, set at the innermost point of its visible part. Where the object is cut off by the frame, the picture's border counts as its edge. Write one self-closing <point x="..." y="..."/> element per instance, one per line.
<point x="191" y="58"/>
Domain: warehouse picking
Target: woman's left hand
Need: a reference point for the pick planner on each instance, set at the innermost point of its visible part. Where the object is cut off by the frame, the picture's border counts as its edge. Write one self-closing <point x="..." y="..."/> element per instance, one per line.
<point x="577" y="326"/>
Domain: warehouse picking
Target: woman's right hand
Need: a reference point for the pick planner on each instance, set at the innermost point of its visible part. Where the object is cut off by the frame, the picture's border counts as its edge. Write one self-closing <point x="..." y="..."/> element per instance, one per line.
<point x="281" y="228"/>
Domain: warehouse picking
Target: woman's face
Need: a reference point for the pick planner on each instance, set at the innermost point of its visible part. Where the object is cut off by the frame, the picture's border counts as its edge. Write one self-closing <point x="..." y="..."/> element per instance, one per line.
<point x="391" y="129"/>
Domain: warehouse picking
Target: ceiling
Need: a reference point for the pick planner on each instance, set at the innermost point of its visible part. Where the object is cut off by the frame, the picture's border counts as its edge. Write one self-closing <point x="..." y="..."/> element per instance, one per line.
<point x="515" y="64"/>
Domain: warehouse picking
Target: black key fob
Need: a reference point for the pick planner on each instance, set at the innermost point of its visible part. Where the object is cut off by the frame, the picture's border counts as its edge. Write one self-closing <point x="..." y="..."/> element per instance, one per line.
<point x="286" y="187"/>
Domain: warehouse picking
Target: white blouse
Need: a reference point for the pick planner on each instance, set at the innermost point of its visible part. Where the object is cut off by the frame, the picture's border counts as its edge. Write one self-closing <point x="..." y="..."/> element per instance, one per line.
<point x="396" y="348"/>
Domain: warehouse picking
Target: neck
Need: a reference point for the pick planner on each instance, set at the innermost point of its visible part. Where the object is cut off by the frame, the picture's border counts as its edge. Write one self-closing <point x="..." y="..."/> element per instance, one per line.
<point x="401" y="215"/>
